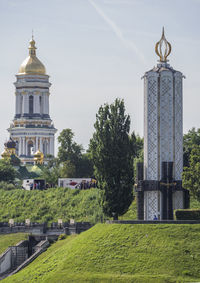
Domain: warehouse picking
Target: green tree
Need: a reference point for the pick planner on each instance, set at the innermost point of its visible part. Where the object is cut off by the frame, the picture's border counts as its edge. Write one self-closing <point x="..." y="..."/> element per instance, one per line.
<point x="190" y="140"/>
<point x="112" y="151"/>
<point x="67" y="170"/>
<point x="139" y="143"/>
<point x="68" y="149"/>
<point x="85" y="166"/>
<point x="51" y="175"/>
<point x="71" y="154"/>
<point x="7" y="171"/>
<point x="191" y="175"/>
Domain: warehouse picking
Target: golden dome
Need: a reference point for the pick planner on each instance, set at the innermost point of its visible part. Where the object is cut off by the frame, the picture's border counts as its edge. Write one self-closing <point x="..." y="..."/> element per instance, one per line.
<point x="38" y="157"/>
<point x="32" y="65"/>
<point x="5" y="154"/>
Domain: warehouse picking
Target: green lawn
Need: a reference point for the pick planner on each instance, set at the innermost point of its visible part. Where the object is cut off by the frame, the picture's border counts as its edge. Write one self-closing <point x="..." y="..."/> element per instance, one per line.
<point x="50" y="205"/>
<point x="120" y="253"/>
<point x="55" y="203"/>
<point x="10" y="240"/>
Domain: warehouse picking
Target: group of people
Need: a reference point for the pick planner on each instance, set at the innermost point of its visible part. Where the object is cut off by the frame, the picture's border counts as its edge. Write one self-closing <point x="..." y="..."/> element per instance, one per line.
<point x="35" y="186"/>
<point x="84" y="185"/>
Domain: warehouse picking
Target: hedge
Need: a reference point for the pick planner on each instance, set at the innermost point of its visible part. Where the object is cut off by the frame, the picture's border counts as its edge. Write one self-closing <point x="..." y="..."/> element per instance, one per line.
<point x="187" y="214"/>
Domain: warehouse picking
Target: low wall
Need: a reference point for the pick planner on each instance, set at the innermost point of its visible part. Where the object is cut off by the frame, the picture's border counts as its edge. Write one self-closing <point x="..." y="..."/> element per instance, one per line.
<point x="39" y="229"/>
<point x="5" y="261"/>
<point x="13" y="256"/>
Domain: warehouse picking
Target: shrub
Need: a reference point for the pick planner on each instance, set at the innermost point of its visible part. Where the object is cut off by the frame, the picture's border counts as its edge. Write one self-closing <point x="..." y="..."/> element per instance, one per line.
<point x="187" y="214"/>
<point x="7" y="186"/>
<point x="62" y="237"/>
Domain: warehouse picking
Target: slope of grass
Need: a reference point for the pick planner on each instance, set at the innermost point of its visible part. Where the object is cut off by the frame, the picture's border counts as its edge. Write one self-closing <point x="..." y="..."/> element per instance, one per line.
<point x="131" y="214"/>
<point x="55" y="203"/>
<point x="50" y="205"/>
<point x="10" y="240"/>
<point x="120" y="253"/>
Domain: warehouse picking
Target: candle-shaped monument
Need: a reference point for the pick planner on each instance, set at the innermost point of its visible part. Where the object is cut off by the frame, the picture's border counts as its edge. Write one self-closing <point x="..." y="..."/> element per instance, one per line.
<point x="159" y="186"/>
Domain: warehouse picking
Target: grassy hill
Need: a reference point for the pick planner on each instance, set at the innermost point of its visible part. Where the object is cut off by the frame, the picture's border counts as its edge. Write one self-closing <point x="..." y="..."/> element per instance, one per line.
<point x="10" y="240"/>
<point x="120" y="253"/>
<point x="55" y="203"/>
<point x="50" y="205"/>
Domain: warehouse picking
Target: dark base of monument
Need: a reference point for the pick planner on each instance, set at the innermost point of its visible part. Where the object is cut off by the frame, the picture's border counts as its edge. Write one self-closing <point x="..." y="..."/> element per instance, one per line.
<point x="167" y="190"/>
<point x="167" y="186"/>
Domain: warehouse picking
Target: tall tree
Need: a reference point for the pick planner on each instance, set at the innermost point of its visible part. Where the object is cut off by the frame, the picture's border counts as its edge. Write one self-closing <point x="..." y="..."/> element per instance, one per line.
<point x="190" y="141"/>
<point x="112" y="151"/>
<point x="191" y="175"/>
<point x="68" y="149"/>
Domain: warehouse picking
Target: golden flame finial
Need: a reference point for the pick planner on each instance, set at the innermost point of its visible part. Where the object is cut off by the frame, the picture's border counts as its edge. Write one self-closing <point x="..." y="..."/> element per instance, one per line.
<point x="163" y="48"/>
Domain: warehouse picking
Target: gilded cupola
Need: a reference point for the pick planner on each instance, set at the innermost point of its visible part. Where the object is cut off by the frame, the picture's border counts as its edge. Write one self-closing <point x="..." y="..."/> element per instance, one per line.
<point x="39" y="157"/>
<point x="32" y="65"/>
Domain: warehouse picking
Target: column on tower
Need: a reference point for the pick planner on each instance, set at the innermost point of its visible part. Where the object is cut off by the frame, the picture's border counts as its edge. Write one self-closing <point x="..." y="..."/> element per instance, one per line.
<point x="36" y="143"/>
<point x="26" y="146"/>
<point x="53" y="141"/>
<point x="46" y="104"/>
<point x="36" y="104"/>
<point x="19" y="146"/>
<point x="17" y="105"/>
<point x="25" y="106"/>
<point x="23" y="146"/>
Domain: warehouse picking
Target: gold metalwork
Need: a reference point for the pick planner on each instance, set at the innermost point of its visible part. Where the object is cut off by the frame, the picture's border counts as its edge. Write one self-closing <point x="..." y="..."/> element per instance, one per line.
<point x="163" y="54"/>
<point x="32" y="64"/>
<point x="6" y="154"/>
<point x="168" y="184"/>
<point x="39" y="157"/>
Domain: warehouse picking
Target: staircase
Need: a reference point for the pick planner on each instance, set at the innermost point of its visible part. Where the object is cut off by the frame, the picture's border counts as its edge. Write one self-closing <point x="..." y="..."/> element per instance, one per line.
<point x="18" y="255"/>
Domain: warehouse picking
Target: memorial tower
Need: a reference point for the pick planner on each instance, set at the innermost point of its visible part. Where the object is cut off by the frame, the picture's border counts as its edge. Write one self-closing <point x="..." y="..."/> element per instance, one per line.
<point x="159" y="186"/>
<point x="32" y="129"/>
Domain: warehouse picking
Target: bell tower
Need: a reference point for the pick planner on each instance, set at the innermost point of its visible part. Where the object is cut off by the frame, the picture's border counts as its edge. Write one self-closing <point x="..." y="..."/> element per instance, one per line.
<point x="159" y="186"/>
<point x="32" y="127"/>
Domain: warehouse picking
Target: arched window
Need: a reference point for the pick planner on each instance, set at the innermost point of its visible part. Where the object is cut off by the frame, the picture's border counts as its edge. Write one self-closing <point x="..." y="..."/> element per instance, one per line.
<point x="30" y="148"/>
<point x="40" y="105"/>
<point x="30" y="104"/>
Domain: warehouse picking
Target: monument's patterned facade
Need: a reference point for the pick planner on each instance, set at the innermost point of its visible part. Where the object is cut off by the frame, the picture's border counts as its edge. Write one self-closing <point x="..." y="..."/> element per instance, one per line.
<point x="160" y="187"/>
<point x="32" y="129"/>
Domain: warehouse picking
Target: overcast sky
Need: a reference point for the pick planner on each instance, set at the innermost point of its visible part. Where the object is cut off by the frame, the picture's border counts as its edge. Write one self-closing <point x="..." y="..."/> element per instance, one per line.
<point x="96" y="51"/>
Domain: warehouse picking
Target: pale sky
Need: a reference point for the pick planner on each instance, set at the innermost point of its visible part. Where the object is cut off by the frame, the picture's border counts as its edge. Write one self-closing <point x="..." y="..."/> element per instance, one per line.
<point x="96" y="51"/>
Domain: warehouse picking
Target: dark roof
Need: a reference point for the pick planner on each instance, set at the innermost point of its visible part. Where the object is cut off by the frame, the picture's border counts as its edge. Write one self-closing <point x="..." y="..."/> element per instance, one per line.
<point x="10" y="143"/>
